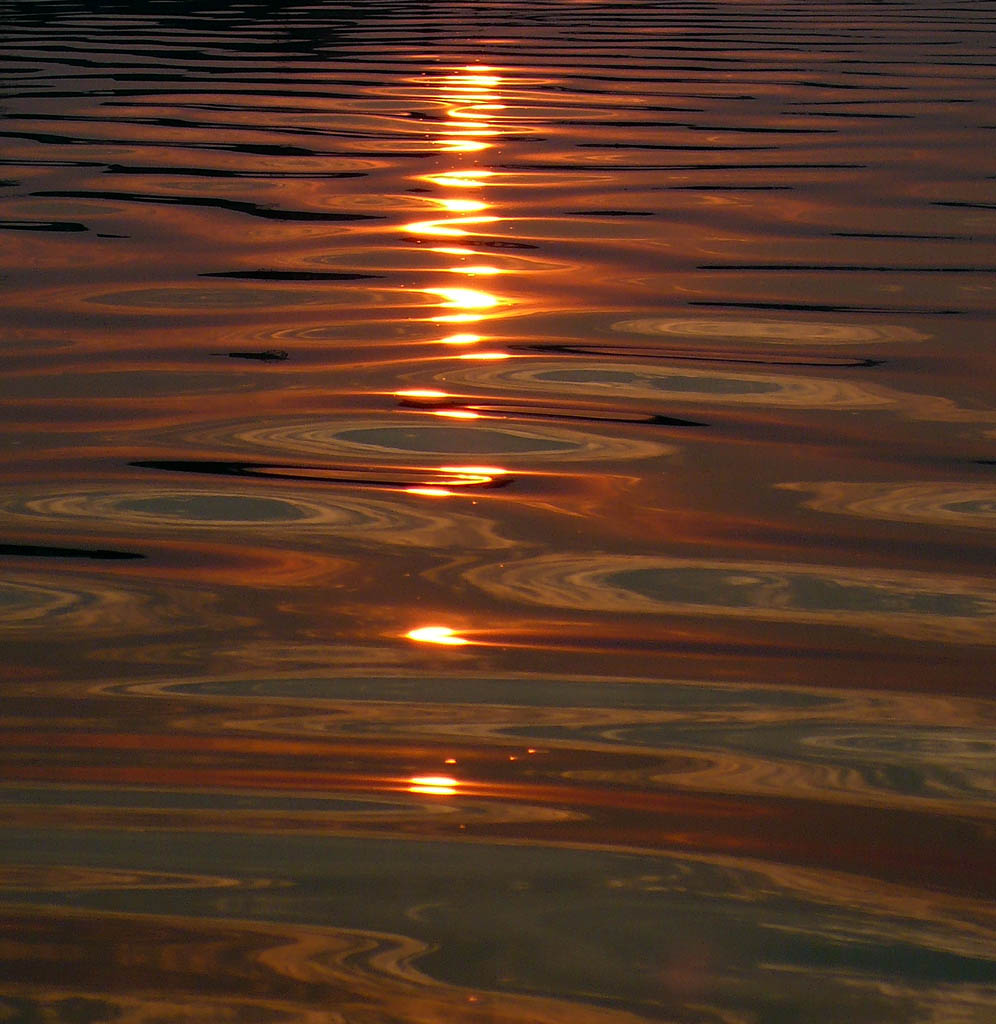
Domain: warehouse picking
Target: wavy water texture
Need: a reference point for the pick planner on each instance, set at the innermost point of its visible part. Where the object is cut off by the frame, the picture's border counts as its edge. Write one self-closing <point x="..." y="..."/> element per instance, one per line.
<point x="496" y="511"/>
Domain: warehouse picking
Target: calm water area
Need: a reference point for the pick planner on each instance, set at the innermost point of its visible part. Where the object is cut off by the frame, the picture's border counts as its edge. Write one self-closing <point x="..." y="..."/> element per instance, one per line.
<point x="496" y="515"/>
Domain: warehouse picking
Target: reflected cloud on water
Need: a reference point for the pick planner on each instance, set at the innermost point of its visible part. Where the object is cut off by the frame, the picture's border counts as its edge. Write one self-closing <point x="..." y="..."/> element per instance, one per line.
<point x="772" y="332"/>
<point x="312" y="515"/>
<point x="612" y="378"/>
<point x="286" y="938"/>
<point x="935" y="607"/>
<point x="376" y="440"/>
<point x="939" y="504"/>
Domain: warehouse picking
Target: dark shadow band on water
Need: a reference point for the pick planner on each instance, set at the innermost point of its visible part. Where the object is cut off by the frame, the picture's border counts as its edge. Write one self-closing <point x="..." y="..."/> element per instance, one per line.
<point x="642" y="352"/>
<point x="399" y="479"/>
<point x="270" y="355"/>
<point x="41" y="225"/>
<point x="40" y="551"/>
<point x="288" y="275"/>
<point x="215" y="172"/>
<point x="236" y="206"/>
<point x="814" y="308"/>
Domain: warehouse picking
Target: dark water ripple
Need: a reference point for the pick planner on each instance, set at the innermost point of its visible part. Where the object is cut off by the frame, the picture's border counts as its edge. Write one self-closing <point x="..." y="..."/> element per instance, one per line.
<point x="497" y="512"/>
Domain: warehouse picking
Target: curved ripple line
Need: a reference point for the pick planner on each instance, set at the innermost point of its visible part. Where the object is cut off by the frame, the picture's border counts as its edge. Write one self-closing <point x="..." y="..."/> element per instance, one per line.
<point x="311" y="515"/>
<point x="772" y="332"/>
<point x="649" y="382"/>
<point x="376" y="440"/>
<point x="27" y="603"/>
<point x="940" y="504"/>
<point x="898" y="604"/>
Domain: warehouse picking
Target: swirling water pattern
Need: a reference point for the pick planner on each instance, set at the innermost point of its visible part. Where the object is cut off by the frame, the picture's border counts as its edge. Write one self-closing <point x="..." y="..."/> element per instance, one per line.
<point x="497" y="517"/>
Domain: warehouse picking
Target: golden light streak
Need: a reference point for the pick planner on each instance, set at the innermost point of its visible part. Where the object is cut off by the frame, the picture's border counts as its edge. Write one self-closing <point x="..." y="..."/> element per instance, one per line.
<point x="461" y="205"/>
<point x="488" y="471"/>
<point x="436" y="635"/>
<point x="432" y="492"/>
<point x="485" y="355"/>
<point x="456" y="414"/>
<point x="459" y="179"/>
<point x="421" y="393"/>
<point x="474" y="77"/>
<point x="433" y="227"/>
<point x="465" y="298"/>
<point x="462" y="145"/>
<point x="458" y="318"/>
<point x="460" y="339"/>
<point x="449" y="227"/>
<point x="476" y="270"/>
<point x="433" y="785"/>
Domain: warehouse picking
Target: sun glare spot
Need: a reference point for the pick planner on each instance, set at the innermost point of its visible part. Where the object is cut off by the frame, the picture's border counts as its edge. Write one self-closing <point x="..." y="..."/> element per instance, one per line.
<point x="460" y="339"/>
<point x="461" y="205"/>
<point x="476" y="270"/>
<point x="456" y="414"/>
<point x="459" y="179"/>
<point x="458" y="318"/>
<point x="490" y="471"/>
<point x="463" y="145"/>
<point x="436" y="635"/>
<point x="431" y="492"/>
<point x="465" y="298"/>
<point x="433" y="785"/>
<point x="421" y="393"/>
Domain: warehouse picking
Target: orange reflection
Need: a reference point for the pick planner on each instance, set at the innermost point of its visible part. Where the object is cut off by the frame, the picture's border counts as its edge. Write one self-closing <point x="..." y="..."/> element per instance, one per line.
<point x="463" y="145"/>
<point x="470" y="98"/>
<point x="465" y="298"/>
<point x="459" y="179"/>
<point x="421" y="393"/>
<point x="456" y="414"/>
<point x="434" y="785"/>
<point x="461" y="205"/>
<point x="487" y="471"/>
<point x="436" y="635"/>
<point x="445" y="227"/>
<point x="430" y="492"/>
<point x="476" y="269"/>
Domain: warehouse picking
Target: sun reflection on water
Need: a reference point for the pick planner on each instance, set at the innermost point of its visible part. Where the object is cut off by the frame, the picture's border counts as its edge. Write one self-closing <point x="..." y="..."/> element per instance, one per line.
<point x="433" y="785"/>
<point x="436" y="635"/>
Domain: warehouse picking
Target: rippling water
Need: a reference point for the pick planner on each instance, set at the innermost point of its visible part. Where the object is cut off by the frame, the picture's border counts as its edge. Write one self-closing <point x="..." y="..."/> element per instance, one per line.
<point x="497" y="523"/>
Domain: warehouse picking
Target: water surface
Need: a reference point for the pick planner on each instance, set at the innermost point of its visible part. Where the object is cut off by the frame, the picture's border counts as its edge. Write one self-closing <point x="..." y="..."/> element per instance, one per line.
<point x="498" y="514"/>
